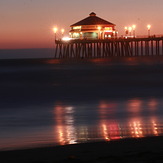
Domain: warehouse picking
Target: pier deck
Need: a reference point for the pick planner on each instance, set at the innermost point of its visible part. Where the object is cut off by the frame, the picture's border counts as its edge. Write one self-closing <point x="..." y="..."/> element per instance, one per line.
<point x="103" y="48"/>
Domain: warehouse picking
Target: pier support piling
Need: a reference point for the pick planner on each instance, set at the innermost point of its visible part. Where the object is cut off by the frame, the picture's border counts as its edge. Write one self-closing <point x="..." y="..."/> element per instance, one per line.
<point x="103" y="48"/>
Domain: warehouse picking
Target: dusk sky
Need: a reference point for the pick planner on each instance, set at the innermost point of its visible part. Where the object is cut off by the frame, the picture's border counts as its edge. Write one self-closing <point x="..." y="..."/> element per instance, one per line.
<point x="29" y="23"/>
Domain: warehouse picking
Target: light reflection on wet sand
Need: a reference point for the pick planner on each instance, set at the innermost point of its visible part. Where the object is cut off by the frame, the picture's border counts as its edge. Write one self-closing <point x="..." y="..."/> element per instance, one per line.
<point x="104" y="121"/>
<point x="98" y="102"/>
<point x="108" y="126"/>
<point x="65" y="124"/>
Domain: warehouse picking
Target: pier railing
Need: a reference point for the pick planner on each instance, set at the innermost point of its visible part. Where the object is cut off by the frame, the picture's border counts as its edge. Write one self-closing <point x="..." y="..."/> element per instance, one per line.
<point x="101" y="48"/>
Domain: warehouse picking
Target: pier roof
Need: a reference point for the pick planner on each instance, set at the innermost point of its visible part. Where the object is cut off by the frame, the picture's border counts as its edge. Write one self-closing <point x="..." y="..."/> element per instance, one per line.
<point x="92" y="19"/>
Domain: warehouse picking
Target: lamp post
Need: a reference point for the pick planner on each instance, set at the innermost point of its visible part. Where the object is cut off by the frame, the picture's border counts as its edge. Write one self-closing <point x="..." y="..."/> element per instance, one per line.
<point x="126" y="31"/>
<point x="130" y="29"/>
<point x="55" y="31"/>
<point x="133" y="27"/>
<point x="62" y="31"/>
<point x="148" y="27"/>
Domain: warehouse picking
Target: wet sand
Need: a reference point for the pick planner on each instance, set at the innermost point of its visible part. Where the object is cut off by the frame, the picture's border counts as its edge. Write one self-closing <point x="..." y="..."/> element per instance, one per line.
<point x="146" y="150"/>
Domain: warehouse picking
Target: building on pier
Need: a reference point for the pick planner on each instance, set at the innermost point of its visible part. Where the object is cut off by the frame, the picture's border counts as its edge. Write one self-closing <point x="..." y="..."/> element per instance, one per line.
<point x="91" y="41"/>
<point x="93" y="27"/>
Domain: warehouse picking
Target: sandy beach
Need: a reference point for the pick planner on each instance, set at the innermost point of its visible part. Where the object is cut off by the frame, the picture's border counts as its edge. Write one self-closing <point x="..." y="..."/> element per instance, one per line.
<point x="146" y="150"/>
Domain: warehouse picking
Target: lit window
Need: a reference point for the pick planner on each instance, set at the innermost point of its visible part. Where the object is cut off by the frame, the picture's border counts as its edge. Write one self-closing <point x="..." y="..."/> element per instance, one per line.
<point x="108" y="29"/>
<point x="77" y="27"/>
<point x="76" y="35"/>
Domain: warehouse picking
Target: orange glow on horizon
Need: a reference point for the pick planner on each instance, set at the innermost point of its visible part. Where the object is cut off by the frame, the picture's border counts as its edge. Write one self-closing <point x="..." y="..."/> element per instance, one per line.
<point x="26" y="40"/>
<point x="35" y="18"/>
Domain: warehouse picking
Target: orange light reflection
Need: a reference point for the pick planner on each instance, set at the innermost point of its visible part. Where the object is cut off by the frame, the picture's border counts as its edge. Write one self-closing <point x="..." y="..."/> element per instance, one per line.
<point x="105" y="132"/>
<point x="134" y="106"/>
<point x="152" y="105"/>
<point x="136" y="129"/>
<point x="65" y="124"/>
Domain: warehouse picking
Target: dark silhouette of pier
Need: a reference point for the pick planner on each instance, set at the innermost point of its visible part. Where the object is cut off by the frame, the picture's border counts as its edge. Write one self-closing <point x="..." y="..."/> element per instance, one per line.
<point x="104" y="48"/>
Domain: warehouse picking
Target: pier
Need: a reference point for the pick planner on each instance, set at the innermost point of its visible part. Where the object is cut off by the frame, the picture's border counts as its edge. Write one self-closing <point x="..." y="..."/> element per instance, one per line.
<point x="114" y="47"/>
<point x="94" y="37"/>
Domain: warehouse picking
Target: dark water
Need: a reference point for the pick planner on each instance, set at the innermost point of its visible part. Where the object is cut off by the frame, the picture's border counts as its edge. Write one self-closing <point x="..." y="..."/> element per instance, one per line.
<point x="48" y="102"/>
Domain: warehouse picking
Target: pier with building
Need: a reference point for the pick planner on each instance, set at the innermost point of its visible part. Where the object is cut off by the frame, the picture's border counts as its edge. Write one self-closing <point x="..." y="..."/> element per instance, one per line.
<point x="94" y="37"/>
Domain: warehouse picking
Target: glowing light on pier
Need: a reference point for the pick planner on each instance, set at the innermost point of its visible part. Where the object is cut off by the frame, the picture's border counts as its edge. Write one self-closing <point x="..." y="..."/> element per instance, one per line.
<point x="108" y="29"/>
<point x="77" y="27"/>
<point x="55" y="29"/>
<point x="99" y="28"/>
<point x="66" y="38"/>
<point x="134" y="27"/>
<point x="148" y="27"/>
<point x="62" y="31"/>
<point x="129" y="29"/>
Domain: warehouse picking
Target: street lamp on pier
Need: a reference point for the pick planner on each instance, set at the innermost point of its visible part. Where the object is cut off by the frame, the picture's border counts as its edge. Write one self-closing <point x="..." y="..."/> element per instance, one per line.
<point x="55" y="31"/>
<point x="148" y="27"/>
<point x="126" y="31"/>
<point x="130" y="29"/>
<point x="133" y="27"/>
<point x="62" y="31"/>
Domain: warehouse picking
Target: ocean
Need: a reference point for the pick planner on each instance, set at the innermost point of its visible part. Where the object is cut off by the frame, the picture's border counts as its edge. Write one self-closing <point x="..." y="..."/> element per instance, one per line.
<point x="48" y="102"/>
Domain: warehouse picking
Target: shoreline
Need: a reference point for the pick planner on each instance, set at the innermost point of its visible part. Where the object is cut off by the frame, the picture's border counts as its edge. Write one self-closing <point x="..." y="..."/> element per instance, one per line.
<point x="125" y="150"/>
<point x="138" y="59"/>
